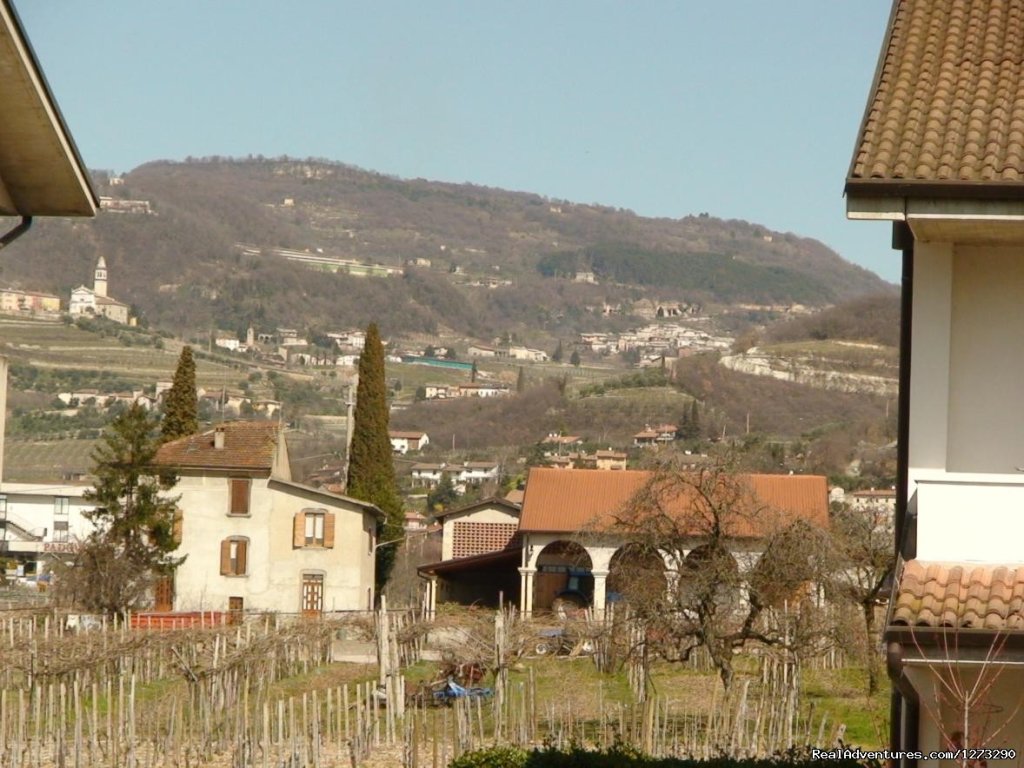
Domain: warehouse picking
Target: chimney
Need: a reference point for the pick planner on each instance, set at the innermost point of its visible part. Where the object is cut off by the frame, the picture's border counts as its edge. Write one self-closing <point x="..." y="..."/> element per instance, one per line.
<point x="218" y="438"/>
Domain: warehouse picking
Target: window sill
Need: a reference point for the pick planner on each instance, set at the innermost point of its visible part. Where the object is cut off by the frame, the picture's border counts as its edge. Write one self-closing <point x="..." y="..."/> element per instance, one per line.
<point x="238" y="514"/>
<point x="235" y="575"/>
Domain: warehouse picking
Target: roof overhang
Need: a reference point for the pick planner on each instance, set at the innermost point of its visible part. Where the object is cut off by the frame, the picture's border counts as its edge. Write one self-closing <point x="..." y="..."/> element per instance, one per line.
<point x="41" y="172"/>
<point x="967" y="220"/>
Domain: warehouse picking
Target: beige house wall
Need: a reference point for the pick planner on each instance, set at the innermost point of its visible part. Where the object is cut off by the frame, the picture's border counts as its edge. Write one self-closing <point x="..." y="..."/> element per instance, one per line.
<point x="273" y="581"/>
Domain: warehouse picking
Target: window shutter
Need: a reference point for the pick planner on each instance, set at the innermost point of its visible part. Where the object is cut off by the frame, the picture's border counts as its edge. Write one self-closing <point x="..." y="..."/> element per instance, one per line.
<point x="239" y="496"/>
<point x="225" y="557"/>
<point x="177" y="526"/>
<point x="299" y="530"/>
<point x="329" y="529"/>
<point x="243" y="557"/>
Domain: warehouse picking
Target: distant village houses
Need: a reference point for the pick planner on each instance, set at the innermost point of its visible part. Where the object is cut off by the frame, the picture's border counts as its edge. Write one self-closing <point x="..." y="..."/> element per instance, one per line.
<point x="470" y="473"/>
<point x="15" y="301"/>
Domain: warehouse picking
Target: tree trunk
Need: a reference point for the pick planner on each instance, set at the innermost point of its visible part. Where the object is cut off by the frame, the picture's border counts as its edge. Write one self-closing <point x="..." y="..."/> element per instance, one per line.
<point x="868" y="609"/>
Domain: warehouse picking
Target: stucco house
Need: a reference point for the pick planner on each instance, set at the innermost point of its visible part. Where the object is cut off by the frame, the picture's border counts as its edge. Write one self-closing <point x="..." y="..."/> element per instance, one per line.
<point x="403" y="442"/>
<point x="40" y="520"/>
<point x="254" y="539"/>
<point x="940" y="154"/>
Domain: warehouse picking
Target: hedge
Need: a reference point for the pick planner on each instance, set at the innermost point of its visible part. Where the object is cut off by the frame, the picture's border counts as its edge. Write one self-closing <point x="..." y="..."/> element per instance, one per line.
<point x="620" y="756"/>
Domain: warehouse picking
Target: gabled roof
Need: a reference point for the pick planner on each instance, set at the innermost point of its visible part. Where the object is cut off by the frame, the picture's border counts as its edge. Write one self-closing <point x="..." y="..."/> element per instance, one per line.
<point x="960" y="596"/>
<point x="397" y="435"/>
<point x="945" y="115"/>
<point x="571" y="500"/>
<point x="493" y="501"/>
<point x="321" y="493"/>
<point x="41" y="173"/>
<point x="249" y="445"/>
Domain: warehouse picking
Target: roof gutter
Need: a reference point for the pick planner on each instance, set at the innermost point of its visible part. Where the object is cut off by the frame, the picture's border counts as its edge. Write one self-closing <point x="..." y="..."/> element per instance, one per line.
<point x="16" y="232"/>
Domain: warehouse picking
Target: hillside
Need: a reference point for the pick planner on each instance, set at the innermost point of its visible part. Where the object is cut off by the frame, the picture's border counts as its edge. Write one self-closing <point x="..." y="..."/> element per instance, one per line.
<point x="480" y="252"/>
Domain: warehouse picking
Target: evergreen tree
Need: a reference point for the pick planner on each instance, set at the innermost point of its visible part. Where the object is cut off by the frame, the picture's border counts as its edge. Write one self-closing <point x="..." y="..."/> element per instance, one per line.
<point x="574" y="358"/>
<point x="181" y="409"/>
<point x="371" y="474"/>
<point x="133" y="539"/>
<point x="557" y="355"/>
<point x="472" y="373"/>
<point x="694" y="419"/>
<point x="521" y="380"/>
<point x="443" y="495"/>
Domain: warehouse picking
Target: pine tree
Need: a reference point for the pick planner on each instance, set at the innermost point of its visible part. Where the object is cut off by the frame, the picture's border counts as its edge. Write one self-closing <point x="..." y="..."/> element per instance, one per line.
<point x="371" y="474"/>
<point x="521" y="380"/>
<point x="443" y="495"/>
<point x="133" y="538"/>
<point x="557" y="355"/>
<point x="181" y="410"/>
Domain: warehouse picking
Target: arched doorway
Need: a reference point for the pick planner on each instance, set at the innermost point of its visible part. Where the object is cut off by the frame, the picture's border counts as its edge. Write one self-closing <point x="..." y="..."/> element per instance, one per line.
<point x="636" y="573"/>
<point x="564" y="582"/>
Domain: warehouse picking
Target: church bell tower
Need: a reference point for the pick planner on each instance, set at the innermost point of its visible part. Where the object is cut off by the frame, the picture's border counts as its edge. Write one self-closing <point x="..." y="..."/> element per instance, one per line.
<point x="99" y="285"/>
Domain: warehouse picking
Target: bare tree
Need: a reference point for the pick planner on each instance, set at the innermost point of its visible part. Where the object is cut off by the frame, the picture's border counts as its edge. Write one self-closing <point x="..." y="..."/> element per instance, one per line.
<point x="728" y="559"/>
<point x="862" y="543"/>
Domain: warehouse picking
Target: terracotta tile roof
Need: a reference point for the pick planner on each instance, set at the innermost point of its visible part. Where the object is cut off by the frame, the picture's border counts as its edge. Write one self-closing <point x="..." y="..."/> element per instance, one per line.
<point x="247" y="445"/>
<point x="960" y="595"/>
<point x="571" y="500"/>
<point x="396" y="435"/>
<point x="947" y="103"/>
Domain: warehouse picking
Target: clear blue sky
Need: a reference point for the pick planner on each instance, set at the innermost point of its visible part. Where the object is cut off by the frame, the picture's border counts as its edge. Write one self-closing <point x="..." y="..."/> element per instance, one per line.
<point x="741" y="108"/>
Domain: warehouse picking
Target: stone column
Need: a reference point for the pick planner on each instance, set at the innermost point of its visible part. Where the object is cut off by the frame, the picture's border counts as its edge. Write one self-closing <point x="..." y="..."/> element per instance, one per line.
<point x="598" y="606"/>
<point x="526" y="591"/>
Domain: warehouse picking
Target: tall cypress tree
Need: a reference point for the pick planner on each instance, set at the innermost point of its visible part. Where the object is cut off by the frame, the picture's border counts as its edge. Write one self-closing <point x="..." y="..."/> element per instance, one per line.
<point x="181" y="410"/>
<point x="371" y="474"/>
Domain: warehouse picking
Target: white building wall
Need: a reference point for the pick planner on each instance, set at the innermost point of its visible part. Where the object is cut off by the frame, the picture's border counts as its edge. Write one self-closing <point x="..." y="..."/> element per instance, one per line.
<point x="274" y="572"/>
<point x="929" y="393"/>
<point x="986" y="422"/>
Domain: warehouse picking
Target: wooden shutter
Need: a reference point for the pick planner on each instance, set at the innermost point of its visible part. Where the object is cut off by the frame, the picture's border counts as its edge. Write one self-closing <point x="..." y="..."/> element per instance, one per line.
<point x="243" y="551"/>
<point x="239" y="496"/>
<point x="177" y="525"/>
<point x="328" y="529"/>
<point x="299" y="530"/>
<point x="225" y="557"/>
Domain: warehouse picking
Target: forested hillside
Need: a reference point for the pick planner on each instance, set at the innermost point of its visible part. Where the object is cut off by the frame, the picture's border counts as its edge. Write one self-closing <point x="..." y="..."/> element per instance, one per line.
<point x="484" y="255"/>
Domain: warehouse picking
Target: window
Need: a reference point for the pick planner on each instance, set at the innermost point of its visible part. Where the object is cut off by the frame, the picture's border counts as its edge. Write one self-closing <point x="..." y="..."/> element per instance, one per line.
<point x="60" y="530"/>
<point x="234" y="556"/>
<point x="61" y="506"/>
<point x="240" y="488"/>
<point x="313" y="528"/>
<point x="3" y="508"/>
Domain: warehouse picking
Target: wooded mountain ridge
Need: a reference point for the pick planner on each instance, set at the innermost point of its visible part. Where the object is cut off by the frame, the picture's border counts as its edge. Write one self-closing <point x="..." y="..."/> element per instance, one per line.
<point x="478" y="261"/>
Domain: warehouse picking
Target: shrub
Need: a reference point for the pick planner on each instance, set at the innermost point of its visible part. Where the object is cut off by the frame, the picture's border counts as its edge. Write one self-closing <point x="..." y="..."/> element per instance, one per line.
<point x="623" y="756"/>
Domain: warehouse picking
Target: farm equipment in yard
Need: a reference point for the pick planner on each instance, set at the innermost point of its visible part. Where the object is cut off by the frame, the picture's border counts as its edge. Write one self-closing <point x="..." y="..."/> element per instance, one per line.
<point x="451" y="691"/>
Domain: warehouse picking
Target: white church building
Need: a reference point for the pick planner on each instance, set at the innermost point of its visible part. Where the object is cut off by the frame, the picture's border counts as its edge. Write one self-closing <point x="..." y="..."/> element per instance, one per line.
<point x="94" y="301"/>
